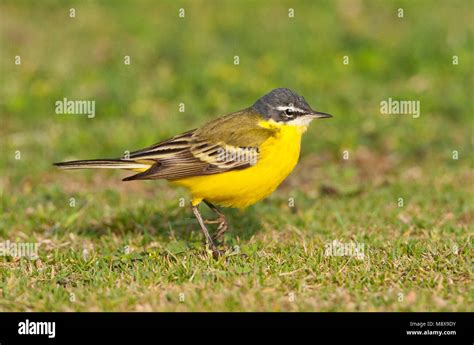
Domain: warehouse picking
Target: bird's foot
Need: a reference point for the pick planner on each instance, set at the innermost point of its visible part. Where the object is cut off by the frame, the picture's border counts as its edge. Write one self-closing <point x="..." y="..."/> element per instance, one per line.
<point x="221" y="228"/>
<point x="225" y="251"/>
<point x="218" y="252"/>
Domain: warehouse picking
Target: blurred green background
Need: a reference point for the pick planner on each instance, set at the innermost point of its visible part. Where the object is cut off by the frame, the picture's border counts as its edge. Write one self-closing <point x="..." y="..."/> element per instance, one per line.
<point x="190" y="60"/>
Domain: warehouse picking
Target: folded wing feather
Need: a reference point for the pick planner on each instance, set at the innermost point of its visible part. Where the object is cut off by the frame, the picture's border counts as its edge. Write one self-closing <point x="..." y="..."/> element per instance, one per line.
<point x="221" y="145"/>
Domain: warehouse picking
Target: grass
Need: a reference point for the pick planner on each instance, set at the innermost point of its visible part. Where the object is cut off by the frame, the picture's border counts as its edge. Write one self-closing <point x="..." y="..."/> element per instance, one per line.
<point x="130" y="246"/>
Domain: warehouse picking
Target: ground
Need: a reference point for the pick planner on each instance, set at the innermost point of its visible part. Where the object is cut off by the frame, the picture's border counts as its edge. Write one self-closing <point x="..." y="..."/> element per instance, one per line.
<point x="399" y="186"/>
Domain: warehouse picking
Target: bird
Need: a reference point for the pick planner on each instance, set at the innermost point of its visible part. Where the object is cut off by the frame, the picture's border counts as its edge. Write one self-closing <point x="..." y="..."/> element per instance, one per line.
<point x="232" y="161"/>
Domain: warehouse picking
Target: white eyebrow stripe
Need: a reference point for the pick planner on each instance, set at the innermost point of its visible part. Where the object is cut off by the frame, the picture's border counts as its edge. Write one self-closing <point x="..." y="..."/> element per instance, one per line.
<point x="284" y="107"/>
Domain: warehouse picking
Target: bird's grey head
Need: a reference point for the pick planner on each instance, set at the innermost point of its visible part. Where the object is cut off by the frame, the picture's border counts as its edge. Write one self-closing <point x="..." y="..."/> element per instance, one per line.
<point x="284" y="105"/>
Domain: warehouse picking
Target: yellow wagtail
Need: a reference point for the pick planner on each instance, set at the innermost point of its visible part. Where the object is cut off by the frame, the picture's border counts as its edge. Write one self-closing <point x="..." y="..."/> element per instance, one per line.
<point x="233" y="161"/>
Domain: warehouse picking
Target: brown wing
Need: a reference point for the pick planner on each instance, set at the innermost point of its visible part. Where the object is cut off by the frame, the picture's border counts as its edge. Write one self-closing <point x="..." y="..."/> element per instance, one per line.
<point x="228" y="143"/>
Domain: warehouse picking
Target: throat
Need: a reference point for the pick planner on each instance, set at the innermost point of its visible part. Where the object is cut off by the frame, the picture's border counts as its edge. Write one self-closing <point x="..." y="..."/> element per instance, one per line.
<point x="284" y="145"/>
<point x="297" y="125"/>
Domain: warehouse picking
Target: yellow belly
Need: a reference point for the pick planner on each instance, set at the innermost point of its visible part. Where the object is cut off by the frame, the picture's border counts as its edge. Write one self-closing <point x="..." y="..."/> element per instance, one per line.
<point x="242" y="188"/>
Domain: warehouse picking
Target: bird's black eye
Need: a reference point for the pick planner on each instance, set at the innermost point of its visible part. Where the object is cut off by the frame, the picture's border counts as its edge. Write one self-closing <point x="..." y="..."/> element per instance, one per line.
<point x="289" y="112"/>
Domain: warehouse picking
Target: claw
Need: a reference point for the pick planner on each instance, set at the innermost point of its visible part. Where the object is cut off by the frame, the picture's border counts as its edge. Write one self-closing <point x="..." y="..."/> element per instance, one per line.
<point x="218" y="253"/>
<point x="221" y="229"/>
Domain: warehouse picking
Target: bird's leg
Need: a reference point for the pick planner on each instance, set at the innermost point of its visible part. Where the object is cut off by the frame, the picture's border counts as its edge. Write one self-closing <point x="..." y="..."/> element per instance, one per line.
<point x="221" y="220"/>
<point x="209" y="240"/>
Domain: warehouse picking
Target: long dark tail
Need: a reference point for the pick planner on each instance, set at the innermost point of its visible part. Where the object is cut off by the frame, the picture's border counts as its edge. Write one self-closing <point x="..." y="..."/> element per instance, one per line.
<point x="104" y="164"/>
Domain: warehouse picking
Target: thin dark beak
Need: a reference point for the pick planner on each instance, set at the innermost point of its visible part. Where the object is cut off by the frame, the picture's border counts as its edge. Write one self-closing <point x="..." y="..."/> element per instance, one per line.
<point x="320" y="115"/>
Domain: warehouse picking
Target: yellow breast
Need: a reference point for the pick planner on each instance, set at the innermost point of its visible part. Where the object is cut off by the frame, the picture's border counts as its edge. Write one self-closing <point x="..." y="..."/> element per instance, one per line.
<point x="241" y="188"/>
